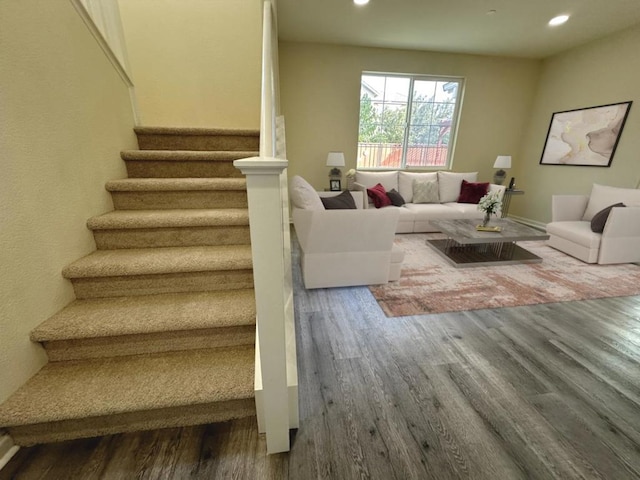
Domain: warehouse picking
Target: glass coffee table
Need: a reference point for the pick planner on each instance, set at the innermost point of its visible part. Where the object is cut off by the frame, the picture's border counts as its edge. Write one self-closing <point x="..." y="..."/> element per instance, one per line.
<point x="467" y="247"/>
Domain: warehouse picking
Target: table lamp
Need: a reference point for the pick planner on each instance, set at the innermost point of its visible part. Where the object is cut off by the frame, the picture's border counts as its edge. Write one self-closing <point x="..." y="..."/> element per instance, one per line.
<point x="502" y="161"/>
<point x="335" y="160"/>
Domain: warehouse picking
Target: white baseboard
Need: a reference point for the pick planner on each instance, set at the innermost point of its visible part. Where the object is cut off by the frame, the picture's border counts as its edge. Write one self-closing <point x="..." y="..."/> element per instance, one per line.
<point x="7" y="449"/>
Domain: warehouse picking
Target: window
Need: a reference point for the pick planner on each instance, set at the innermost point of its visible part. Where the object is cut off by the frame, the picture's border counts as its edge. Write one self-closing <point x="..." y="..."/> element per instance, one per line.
<point x="407" y="121"/>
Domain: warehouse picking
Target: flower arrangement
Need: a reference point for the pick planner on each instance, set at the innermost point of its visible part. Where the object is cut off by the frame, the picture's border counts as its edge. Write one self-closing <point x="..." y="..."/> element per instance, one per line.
<point x="490" y="204"/>
<point x="351" y="173"/>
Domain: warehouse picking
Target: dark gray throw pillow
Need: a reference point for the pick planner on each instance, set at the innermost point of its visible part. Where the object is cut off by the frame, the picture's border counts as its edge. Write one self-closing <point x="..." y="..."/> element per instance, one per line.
<point x="339" y="202"/>
<point x="395" y="197"/>
<point x="600" y="218"/>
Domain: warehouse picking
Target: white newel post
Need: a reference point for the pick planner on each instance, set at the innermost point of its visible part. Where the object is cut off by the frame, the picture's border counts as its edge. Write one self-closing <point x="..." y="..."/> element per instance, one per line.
<point x="267" y="240"/>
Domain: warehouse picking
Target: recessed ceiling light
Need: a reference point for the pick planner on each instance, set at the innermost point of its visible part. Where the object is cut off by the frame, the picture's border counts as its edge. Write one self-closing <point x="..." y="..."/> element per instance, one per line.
<point x="360" y="2"/>
<point x="559" y="20"/>
<point x="491" y="12"/>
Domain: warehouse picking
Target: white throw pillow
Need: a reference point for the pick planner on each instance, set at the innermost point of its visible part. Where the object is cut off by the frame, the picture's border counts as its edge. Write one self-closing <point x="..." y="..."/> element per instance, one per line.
<point x="304" y="195"/>
<point x="603" y="196"/>
<point x="425" y="191"/>
<point x="389" y="180"/>
<point x="449" y="184"/>
<point x="405" y="182"/>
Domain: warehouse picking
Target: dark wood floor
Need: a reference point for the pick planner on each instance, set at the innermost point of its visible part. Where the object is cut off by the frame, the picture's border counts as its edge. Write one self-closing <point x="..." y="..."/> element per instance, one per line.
<point x="546" y="391"/>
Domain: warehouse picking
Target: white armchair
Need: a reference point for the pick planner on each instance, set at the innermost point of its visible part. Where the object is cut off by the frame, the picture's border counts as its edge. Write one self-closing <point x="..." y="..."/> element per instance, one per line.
<point x="570" y="228"/>
<point x="347" y="247"/>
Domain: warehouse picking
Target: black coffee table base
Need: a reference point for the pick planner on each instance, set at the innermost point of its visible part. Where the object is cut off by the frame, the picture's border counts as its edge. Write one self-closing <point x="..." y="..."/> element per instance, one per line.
<point x="482" y="254"/>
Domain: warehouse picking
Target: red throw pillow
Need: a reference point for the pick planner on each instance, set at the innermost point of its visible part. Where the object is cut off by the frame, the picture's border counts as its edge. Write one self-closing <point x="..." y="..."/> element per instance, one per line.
<point x="378" y="196"/>
<point x="471" y="192"/>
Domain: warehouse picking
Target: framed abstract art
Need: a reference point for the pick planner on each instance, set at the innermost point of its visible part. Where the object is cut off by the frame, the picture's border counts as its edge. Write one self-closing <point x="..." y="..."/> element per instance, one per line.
<point x="585" y="136"/>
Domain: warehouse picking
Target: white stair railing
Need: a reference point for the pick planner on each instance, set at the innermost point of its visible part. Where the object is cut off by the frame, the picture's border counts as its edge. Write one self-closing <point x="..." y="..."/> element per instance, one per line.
<point x="276" y="381"/>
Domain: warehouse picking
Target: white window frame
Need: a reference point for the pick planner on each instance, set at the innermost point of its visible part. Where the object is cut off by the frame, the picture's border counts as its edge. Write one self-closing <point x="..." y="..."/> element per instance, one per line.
<point x="405" y="142"/>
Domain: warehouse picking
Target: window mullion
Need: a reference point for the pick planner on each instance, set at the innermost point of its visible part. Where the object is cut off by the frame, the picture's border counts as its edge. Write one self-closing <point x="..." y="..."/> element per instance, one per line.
<point x="405" y="141"/>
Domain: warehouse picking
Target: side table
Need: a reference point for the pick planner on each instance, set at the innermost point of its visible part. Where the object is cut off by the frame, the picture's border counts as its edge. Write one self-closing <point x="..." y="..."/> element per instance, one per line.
<point x="506" y="199"/>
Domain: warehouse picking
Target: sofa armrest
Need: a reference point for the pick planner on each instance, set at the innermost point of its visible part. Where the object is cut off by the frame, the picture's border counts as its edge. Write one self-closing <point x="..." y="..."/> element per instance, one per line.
<point x="623" y="222"/>
<point x="568" y="207"/>
<point x="621" y="236"/>
<point x="329" y="231"/>
<point x="358" y="187"/>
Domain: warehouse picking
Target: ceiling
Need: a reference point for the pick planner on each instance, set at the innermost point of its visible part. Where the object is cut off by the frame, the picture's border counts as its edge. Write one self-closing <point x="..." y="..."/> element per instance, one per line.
<point x="516" y="28"/>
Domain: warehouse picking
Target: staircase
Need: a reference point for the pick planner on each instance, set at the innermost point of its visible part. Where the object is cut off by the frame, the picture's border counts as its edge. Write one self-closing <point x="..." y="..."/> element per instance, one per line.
<point x="162" y="331"/>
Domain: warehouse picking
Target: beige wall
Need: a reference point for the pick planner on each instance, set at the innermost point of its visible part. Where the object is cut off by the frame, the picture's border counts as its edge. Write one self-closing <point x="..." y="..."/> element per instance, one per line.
<point x="602" y="72"/>
<point x="64" y="116"/>
<point x="185" y="72"/>
<point x="320" y="91"/>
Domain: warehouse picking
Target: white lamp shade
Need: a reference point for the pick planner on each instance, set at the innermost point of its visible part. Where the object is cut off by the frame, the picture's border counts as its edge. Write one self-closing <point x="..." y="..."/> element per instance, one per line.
<point x="502" y="161"/>
<point x="335" y="159"/>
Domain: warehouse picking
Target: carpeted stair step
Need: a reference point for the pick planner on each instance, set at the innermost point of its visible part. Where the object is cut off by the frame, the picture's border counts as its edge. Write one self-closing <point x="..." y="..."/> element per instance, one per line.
<point x="88" y="398"/>
<point x="148" y="271"/>
<point x="164" y="193"/>
<point x="170" y="228"/>
<point x="224" y="139"/>
<point x="180" y="164"/>
<point x="104" y="327"/>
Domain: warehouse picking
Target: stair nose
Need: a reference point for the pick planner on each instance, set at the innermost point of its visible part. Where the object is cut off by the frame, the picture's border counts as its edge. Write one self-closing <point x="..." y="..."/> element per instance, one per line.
<point x="136" y="325"/>
<point x="119" y="316"/>
<point x="116" y="273"/>
<point x="158" y="261"/>
<point x="138" y="219"/>
<point x="186" y="155"/>
<point x="101" y="396"/>
<point x="161" y="138"/>
<point x="170" y="228"/>
<point x="176" y="184"/>
<point x="178" y="193"/>
<point x="183" y="164"/>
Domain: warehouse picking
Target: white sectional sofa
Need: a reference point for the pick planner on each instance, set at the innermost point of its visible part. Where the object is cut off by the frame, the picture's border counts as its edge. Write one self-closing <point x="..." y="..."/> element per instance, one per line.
<point x="597" y="228"/>
<point x="416" y="217"/>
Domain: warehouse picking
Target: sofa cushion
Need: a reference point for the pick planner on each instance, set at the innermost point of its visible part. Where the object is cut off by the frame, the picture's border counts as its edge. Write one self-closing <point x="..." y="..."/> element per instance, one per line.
<point x="425" y="191"/>
<point x="602" y="196"/>
<point x="431" y="211"/>
<point x="405" y="182"/>
<point x="449" y="184"/>
<point x="378" y="196"/>
<point x="304" y="195"/>
<point x="389" y="180"/>
<point x="472" y="192"/>
<point x="406" y="215"/>
<point x="600" y="218"/>
<point x="339" y="202"/>
<point x="395" y="197"/>
<point x="575" y="232"/>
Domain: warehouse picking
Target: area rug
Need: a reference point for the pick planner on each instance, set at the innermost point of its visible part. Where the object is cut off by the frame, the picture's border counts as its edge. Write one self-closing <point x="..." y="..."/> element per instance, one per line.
<point x="429" y="284"/>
